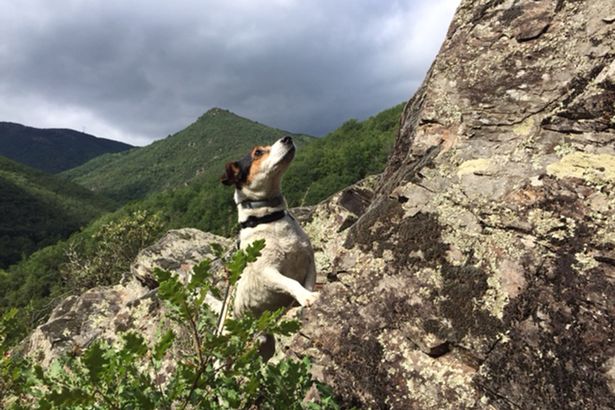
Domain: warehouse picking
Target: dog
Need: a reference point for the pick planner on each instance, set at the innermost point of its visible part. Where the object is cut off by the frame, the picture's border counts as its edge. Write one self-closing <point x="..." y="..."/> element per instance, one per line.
<point x="285" y="272"/>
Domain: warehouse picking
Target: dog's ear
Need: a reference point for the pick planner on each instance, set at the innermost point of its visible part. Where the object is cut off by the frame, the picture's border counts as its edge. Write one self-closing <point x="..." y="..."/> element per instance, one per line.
<point x="231" y="174"/>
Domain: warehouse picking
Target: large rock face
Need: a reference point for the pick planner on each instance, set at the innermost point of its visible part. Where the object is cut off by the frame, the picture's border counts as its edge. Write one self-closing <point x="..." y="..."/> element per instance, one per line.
<point x="482" y="275"/>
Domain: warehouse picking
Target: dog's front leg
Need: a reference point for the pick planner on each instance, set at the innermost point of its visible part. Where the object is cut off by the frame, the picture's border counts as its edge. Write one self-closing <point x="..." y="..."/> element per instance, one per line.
<point x="281" y="283"/>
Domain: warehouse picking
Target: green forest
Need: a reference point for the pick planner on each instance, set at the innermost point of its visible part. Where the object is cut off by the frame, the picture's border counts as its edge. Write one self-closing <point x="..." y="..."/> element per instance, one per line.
<point x="52" y="150"/>
<point x="38" y="209"/>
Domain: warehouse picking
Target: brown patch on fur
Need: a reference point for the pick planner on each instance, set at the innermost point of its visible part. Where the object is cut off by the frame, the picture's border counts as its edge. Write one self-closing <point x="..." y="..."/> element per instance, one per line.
<point x="257" y="161"/>
<point x="232" y="174"/>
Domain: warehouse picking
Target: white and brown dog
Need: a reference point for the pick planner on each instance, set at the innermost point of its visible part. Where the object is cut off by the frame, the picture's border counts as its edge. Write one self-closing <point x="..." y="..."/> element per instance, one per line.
<point x="285" y="271"/>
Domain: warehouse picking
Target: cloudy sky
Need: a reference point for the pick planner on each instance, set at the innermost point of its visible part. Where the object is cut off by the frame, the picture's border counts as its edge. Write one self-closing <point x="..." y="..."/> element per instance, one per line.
<point x="139" y="70"/>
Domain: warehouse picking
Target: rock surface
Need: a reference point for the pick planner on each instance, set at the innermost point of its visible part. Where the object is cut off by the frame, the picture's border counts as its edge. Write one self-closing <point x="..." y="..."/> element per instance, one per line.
<point x="178" y="251"/>
<point x="482" y="275"/>
<point x="106" y="312"/>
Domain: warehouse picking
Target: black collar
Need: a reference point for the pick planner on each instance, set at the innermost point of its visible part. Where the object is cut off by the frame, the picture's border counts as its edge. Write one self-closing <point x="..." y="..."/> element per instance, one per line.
<point x="253" y="221"/>
<point x="263" y="203"/>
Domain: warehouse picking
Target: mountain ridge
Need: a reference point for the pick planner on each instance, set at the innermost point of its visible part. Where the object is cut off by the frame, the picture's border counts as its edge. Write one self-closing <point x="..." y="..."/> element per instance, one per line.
<point x="52" y="150"/>
<point x="202" y="147"/>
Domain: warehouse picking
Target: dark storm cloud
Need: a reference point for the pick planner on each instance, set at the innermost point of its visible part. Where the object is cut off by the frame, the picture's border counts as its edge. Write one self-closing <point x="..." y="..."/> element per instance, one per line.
<point x="139" y="70"/>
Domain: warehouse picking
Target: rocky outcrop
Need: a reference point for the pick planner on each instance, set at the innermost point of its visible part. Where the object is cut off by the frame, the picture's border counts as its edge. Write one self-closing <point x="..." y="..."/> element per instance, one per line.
<point x="482" y="275"/>
<point x="177" y="251"/>
<point x="106" y="312"/>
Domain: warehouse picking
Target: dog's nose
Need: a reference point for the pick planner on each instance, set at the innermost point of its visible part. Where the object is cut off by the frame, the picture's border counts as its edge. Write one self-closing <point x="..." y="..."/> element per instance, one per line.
<point x="287" y="140"/>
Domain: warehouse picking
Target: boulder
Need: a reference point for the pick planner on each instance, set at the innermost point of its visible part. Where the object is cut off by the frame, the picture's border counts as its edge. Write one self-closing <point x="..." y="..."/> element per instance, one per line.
<point x="107" y="312"/>
<point x="178" y="251"/>
<point x="326" y="223"/>
<point x="482" y="275"/>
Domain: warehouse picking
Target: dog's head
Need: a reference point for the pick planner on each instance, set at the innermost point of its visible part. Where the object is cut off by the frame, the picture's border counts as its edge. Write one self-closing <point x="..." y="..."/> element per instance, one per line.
<point x="259" y="173"/>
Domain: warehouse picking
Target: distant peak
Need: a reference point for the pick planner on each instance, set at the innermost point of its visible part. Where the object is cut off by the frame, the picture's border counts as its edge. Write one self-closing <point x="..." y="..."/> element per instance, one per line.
<point x="217" y="111"/>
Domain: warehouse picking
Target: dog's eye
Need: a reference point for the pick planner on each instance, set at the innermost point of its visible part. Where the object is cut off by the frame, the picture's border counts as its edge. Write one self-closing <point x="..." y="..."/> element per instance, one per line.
<point x="258" y="152"/>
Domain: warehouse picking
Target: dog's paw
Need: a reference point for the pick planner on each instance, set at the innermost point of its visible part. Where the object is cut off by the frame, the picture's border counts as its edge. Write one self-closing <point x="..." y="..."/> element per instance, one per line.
<point x="309" y="299"/>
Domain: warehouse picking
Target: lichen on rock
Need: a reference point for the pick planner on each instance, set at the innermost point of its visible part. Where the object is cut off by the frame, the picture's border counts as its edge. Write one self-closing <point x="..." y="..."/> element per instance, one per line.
<point x="593" y="168"/>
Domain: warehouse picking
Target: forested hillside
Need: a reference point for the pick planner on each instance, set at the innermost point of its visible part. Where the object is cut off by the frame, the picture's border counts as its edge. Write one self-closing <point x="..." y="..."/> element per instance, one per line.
<point x="348" y="154"/>
<point x="200" y="150"/>
<point x="320" y="168"/>
<point x="52" y="150"/>
<point x="37" y="210"/>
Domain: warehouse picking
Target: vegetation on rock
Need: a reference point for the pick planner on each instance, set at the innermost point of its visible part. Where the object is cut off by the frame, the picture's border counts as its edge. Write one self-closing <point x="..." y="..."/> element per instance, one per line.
<point x="112" y="248"/>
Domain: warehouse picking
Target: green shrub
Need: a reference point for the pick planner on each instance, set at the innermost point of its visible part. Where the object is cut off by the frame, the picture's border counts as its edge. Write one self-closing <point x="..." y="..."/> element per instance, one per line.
<point x="103" y="259"/>
<point x="211" y="371"/>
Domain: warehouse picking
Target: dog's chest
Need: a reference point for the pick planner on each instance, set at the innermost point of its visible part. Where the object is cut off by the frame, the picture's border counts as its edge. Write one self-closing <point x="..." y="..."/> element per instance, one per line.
<point x="294" y="255"/>
<point x="287" y="247"/>
<point x="284" y="235"/>
<point x="287" y="250"/>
